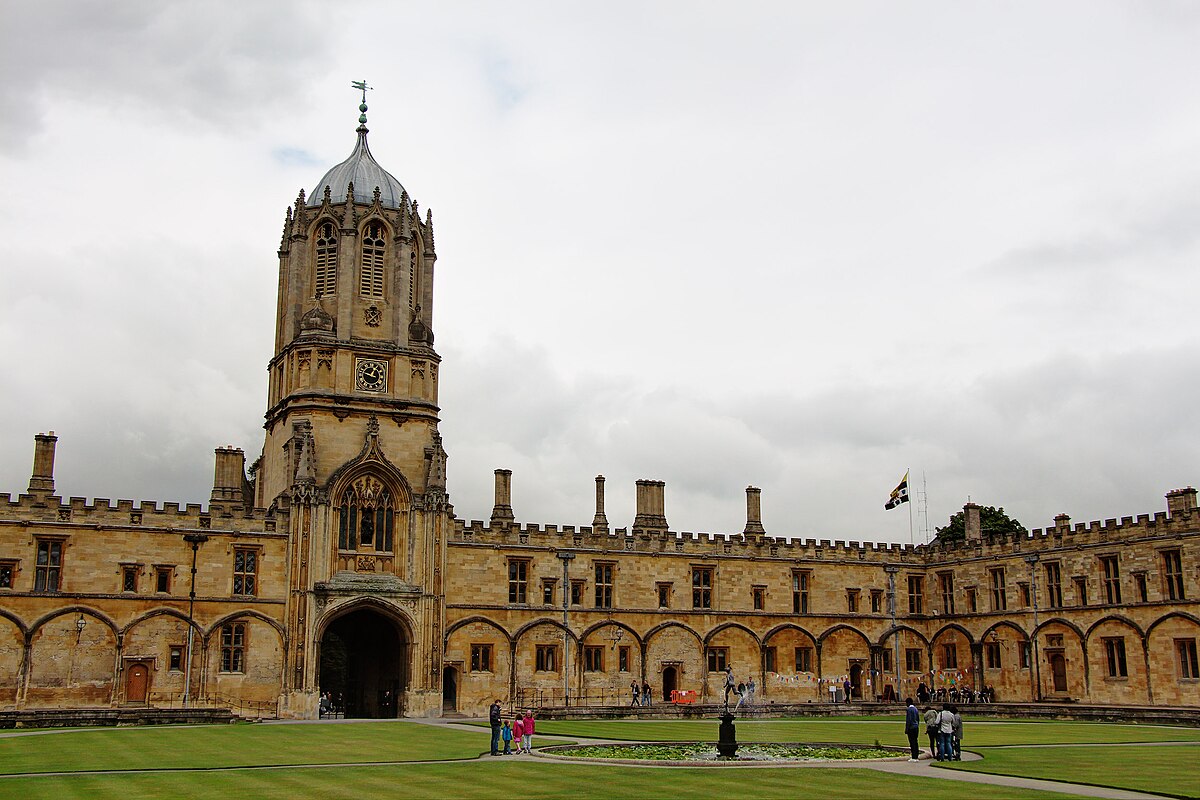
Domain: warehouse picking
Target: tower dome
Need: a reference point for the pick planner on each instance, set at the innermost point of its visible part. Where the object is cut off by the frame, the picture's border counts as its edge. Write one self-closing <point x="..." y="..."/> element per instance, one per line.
<point x="363" y="171"/>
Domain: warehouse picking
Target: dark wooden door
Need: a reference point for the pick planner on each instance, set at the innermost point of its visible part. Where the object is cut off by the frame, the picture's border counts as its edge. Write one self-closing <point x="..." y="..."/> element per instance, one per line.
<point x="1058" y="666"/>
<point x="668" y="678"/>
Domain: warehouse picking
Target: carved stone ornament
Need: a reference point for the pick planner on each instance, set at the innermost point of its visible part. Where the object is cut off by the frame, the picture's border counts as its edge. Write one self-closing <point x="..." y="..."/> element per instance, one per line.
<point x="372" y="316"/>
<point x="316" y="320"/>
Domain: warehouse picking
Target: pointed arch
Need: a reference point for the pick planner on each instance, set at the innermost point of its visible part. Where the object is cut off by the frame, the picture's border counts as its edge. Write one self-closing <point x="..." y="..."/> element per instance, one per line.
<point x="1119" y="618"/>
<point x="787" y="626"/>
<point x="324" y="233"/>
<point x="1066" y="624"/>
<point x="462" y="623"/>
<point x="163" y="612"/>
<point x="953" y="626"/>
<point x="76" y="609"/>
<point x="726" y="626"/>
<point x="1172" y="615"/>
<point x="528" y="626"/>
<point x="839" y="627"/>
<point x="21" y="626"/>
<point x="247" y="613"/>
<point x="391" y="611"/>
<point x="883" y="637"/>
<point x="1004" y="623"/>
<point x="613" y="622"/>
<point x="659" y="628"/>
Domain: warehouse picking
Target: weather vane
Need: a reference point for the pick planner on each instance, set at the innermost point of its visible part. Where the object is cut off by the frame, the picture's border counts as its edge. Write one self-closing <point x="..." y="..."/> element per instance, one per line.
<point x="362" y="107"/>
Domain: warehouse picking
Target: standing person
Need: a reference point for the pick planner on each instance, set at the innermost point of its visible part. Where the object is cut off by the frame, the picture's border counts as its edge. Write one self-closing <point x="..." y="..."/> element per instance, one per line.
<point x="645" y="693"/>
<point x="847" y="687"/>
<point x="912" y="728"/>
<point x="741" y="693"/>
<point x="946" y="733"/>
<point x="635" y="690"/>
<point x="750" y="687"/>
<point x="931" y="728"/>
<point x="957" y="734"/>
<point x="527" y="729"/>
<point x="506" y="733"/>
<point x="518" y="732"/>
<point x="730" y="684"/>
<point x="494" y="719"/>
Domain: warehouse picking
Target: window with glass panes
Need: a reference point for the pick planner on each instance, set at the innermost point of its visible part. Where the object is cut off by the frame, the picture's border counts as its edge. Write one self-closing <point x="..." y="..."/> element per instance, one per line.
<point x="1110" y="570"/>
<point x="593" y="658"/>
<point x="718" y="658"/>
<point x="912" y="659"/>
<point x="804" y="659"/>
<point x="47" y="574"/>
<point x="916" y="594"/>
<point x="1054" y="597"/>
<point x="1185" y="649"/>
<point x="800" y="586"/>
<point x="518" y="580"/>
<point x="946" y="585"/>
<point x="702" y="584"/>
<point x="233" y="647"/>
<point x="604" y="585"/>
<point x="481" y="658"/>
<point x="999" y="590"/>
<point x="545" y="658"/>
<point x="245" y="572"/>
<point x="1114" y="653"/>
<point x="1173" y="574"/>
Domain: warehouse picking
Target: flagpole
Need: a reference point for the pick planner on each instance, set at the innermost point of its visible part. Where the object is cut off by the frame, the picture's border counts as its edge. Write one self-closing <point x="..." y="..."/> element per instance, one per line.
<point x="907" y="472"/>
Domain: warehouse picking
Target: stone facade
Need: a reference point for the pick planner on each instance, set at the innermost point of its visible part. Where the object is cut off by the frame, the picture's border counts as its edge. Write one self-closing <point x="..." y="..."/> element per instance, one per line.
<point x="335" y="564"/>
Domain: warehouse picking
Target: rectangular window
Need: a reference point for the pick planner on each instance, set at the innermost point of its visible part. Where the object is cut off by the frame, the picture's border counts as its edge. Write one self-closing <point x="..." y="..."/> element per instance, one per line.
<point x="664" y="594"/>
<point x="801" y="580"/>
<point x="1054" y="597"/>
<point x="972" y="600"/>
<point x="1054" y="640"/>
<point x="549" y="585"/>
<point x="1023" y="594"/>
<point x="1023" y="654"/>
<point x="129" y="579"/>
<point x="245" y="573"/>
<point x="8" y="572"/>
<point x="604" y="585"/>
<point x="1188" y="668"/>
<point x="758" y="597"/>
<point x="912" y="659"/>
<point x="804" y="659"/>
<point x="950" y="656"/>
<point x="991" y="655"/>
<point x="718" y="658"/>
<point x="999" y="590"/>
<point x="577" y="587"/>
<point x="518" y="580"/>
<point x="233" y="647"/>
<point x="702" y="582"/>
<point x="852" y="601"/>
<point x="946" y="586"/>
<point x="1114" y="652"/>
<point x="593" y="658"/>
<point x="1110" y="569"/>
<point x="623" y="658"/>
<point x="916" y="594"/>
<point x="886" y="660"/>
<point x="175" y="658"/>
<point x="1139" y="583"/>
<point x="877" y="601"/>
<point x="1081" y="590"/>
<point x="48" y="573"/>
<point x="545" y="658"/>
<point x="162" y="579"/>
<point x="1173" y="574"/>
<point x="481" y="658"/>
<point x="769" y="659"/>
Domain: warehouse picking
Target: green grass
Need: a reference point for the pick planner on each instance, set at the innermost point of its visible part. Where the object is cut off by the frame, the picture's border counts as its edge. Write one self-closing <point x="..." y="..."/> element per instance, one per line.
<point x="1158" y="770"/>
<point x="236" y="746"/>
<point x="978" y="732"/>
<point x="505" y="779"/>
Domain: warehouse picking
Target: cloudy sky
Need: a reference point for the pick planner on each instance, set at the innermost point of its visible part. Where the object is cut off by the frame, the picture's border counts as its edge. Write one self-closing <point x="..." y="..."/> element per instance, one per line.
<point x="803" y="246"/>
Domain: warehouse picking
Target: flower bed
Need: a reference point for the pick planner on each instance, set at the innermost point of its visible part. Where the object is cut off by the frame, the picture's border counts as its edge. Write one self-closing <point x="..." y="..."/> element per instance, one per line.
<point x="693" y="752"/>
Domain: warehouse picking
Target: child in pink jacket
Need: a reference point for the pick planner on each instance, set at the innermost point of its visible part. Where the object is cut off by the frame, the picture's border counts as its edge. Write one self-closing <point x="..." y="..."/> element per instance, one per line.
<point x="518" y="730"/>
<point x="527" y="728"/>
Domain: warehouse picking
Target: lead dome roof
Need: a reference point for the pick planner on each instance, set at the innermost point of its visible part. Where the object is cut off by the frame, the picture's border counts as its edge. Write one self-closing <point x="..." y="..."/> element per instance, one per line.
<point x="364" y="171"/>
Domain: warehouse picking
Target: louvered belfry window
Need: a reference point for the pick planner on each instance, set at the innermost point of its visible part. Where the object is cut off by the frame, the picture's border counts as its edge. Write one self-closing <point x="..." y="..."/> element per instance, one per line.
<point x="326" y="261"/>
<point x="371" y="275"/>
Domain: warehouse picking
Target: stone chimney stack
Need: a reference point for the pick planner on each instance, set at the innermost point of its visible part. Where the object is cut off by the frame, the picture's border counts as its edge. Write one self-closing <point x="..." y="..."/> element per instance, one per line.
<point x="502" y="512"/>
<point x="42" y="479"/>
<point x="974" y="529"/>
<point x="600" y="521"/>
<point x="229" y="475"/>
<point x="651" y="513"/>
<point x="1062" y="524"/>
<point x="1181" y="501"/>
<point x="753" y="512"/>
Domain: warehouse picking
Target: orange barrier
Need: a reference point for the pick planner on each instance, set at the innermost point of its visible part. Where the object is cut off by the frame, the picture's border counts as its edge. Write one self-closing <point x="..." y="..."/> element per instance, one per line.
<point x="683" y="696"/>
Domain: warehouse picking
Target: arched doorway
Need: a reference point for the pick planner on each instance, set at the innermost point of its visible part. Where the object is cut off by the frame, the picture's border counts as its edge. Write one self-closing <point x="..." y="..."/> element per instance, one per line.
<point x="137" y="683"/>
<point x="669" y="678"/>
<point x="1058" y="668"/>
<point x="856" y="679"/>
<point x="364" y="664"/>
<point x="449" y="690"/>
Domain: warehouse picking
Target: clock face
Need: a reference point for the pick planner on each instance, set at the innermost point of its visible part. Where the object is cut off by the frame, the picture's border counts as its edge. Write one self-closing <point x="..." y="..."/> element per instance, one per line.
<point x="370" y="375"/>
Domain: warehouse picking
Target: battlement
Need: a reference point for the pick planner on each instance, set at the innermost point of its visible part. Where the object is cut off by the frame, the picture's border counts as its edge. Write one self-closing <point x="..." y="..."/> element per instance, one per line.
<point x="102" y="511"/>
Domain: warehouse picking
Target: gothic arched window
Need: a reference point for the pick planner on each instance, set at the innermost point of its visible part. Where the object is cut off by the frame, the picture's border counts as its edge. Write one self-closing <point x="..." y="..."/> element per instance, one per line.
<point x="325" y="283"/>
<point x="366" y="517"/>
<point x="371" y="274"/>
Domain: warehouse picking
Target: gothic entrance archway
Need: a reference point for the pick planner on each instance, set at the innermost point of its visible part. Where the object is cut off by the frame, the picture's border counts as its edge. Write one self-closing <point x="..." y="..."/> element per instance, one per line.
<point x="364" y="664"/>
<point x="669" y="679"/>
<point x="856" y="680"/>
<point x="449" y="690"/>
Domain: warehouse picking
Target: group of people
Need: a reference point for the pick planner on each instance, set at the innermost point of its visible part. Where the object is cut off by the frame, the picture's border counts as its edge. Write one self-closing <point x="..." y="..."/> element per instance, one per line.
<point x="744" y="691"/>
<point x="955" y="694"/>
<point x="640" y="695"/>
<point x="519" y="731"/>
<point x="944" y="728"/>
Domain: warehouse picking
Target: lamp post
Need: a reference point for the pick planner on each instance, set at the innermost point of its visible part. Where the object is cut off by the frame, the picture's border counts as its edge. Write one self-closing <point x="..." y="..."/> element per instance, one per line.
<point x="195" y="540"/>
<point x="1032" y="560"/>
<point x="566" y="559"/>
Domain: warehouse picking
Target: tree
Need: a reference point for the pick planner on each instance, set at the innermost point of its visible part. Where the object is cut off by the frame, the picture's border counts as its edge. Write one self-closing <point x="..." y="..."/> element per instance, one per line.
<point x="992" y="521"/>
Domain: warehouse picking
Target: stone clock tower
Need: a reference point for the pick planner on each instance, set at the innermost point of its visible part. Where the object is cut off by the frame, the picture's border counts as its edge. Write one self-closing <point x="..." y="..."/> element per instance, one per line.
<point x="352" y="445"/>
